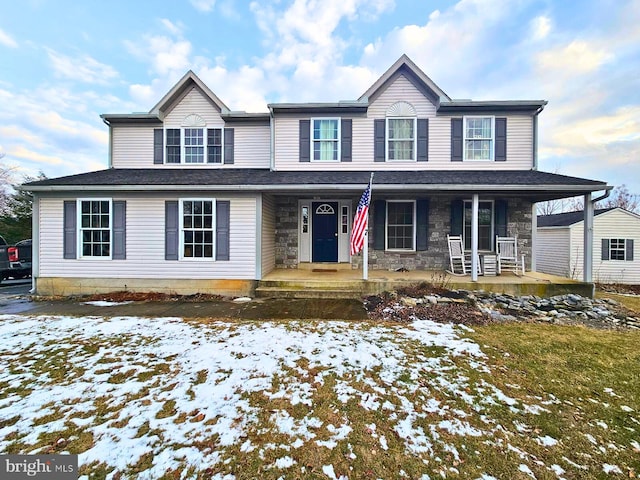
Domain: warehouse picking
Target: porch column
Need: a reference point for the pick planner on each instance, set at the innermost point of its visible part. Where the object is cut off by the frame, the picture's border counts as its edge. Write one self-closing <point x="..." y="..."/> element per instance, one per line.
<point x="587" y="271"/>
<point x="474" y="238"/>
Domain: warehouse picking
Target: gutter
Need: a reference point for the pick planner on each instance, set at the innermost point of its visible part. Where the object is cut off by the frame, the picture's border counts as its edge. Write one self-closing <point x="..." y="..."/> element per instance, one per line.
<point x="314" y="187"/>
<point x="535" y="136"/>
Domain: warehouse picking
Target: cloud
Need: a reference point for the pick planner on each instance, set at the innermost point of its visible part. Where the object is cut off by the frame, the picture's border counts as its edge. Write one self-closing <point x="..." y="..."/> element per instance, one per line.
<point x="83" y="68"/>
<point x="7" y="40"/>
<point x="540" y="27"/>
<point x="203" y="5"/>
<point x="575" y="59"/>
<point x="173" y="28"/>
<point x="168" y="56"/>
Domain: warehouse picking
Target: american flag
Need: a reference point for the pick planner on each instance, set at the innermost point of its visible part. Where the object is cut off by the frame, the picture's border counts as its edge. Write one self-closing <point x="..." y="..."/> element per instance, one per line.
<point x="360" y="221"/>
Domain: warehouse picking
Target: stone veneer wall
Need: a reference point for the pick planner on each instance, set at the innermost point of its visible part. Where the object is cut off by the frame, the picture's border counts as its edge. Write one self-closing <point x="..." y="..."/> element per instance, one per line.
<point x="286" y="232"/>
<point x="437" y="255"/>
<point x="435" y="258"/>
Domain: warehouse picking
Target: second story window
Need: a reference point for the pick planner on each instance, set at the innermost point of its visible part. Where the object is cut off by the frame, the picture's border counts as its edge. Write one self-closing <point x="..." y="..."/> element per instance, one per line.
<point x="325" y="139"/>
<point x="401" y="138"/>
<point x="193" y="145"/>
<point x="173" y="145"/>
<point x="478" y="138"/>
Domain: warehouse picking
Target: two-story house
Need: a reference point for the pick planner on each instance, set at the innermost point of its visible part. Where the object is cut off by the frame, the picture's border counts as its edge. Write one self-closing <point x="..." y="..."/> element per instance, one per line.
<point x="199" y="198"/>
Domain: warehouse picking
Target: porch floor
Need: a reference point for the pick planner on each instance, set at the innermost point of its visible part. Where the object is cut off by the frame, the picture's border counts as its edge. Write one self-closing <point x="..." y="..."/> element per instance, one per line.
<point x="300" y="283"/>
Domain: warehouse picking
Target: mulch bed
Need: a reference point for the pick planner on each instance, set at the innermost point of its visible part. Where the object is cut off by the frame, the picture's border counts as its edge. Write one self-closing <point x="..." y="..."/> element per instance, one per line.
<point x="124" y="296"/>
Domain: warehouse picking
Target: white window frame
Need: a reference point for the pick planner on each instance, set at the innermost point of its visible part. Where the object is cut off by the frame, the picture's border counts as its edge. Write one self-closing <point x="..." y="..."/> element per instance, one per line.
<point x="181" y="229"/>
<point x="492" y="150"/>
<point x="623" y="249"/>
<point x="79" y="228"/>
<point x="183" y="146"/>
<point x="386" y="227"/>
<point x="312" y="140"/>
<point x="388" y="139"/>
<point x="492" y="234"/>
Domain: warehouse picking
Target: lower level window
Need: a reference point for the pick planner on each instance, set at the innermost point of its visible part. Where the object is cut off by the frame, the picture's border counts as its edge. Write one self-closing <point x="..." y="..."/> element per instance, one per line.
<point x="95" y="228"/>
<point x="198" y="227"/>
<point x="485" y="225"/>
<point x="401" y="226"/>
<point x="617" y="249"/>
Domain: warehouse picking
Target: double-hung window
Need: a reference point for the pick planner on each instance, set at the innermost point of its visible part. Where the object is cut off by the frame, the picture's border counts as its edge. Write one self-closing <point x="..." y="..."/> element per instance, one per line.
<point x="485" y="225"/>
<point x="479" y="138"/>
<point x="401" y="138"/>
<point x="95" y="227"/>
<point x="617" y="249"/>
<point x="325" y="139"/>
<point x="401" y="221"/>
<point x="193" y="145"/>
<point x="197" y="230"/>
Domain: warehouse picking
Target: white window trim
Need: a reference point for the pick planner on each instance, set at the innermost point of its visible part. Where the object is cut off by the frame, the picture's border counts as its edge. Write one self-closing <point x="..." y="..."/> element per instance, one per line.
<point x="214" y="223"/>
<point x="624" y="250"/>
<point x="464" y="138"/>
<point x="79" y="228"/>
<point x="386" y="227"/>
<point x="312" y="140"/>
<point x="493" y="221"/>
<point x="387" y="139"/>
<point x="183" y="146"/>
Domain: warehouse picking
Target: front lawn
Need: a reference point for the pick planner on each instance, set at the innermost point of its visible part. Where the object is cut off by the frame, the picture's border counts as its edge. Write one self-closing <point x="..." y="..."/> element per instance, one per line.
<point x="166" y="398"/>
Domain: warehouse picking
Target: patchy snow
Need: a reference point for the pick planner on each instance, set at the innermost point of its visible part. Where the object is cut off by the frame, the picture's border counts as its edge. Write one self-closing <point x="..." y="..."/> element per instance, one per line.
<point x="606" y="468"/>
<point x="105" y="303"/>
<point x="557" y="469"/>
<point x="176" y="395"/>
<point x="547" y="441"/>
<point x="525" y="469"/>
<point x="626" y="408"/>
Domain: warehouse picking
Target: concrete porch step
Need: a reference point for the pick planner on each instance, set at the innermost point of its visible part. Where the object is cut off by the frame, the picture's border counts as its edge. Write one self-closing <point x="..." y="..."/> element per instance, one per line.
<point x="323" y="266"/>
<point x="307" y="292"/>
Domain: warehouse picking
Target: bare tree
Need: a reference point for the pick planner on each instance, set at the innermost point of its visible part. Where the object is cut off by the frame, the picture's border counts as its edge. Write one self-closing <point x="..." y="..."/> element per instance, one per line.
<point x="620" y="197"/>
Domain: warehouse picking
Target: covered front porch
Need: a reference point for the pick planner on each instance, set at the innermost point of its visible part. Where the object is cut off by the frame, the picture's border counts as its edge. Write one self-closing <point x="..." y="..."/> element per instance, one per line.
<point x="325" y="281"/>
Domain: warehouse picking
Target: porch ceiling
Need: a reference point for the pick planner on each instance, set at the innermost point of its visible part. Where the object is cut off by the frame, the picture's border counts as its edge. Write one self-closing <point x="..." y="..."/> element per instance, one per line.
<point x="532" y="184"/>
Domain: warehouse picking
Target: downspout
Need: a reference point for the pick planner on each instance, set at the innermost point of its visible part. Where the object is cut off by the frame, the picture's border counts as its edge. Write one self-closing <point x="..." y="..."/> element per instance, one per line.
<point x="535" y="137"/>
<point x="272" y="153"/>
<point x="587" y="260"/>
<point x="35" y="243"/>
<point x="106" y="122"/>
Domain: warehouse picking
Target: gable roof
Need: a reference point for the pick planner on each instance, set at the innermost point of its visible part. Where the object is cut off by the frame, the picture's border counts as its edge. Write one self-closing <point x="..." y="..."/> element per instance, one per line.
<point x="413" y="73"/>
<point x="567" y="219"/>
<point x="183" y="85"/>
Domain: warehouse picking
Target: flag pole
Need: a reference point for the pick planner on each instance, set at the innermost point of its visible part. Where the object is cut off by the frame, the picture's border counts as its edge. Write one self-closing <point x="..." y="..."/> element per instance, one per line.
<point x="365" y="248"/>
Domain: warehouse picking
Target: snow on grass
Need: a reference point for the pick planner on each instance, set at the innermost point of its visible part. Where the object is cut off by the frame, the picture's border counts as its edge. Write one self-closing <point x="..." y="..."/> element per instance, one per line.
<point x="161" y="394"/>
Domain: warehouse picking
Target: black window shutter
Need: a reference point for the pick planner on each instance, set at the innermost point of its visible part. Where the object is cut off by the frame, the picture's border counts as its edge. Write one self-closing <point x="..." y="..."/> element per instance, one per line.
<point x="69" y="234"/>
<point x="171" y="230"/>
<point x="345" y="140"/>
<point x="629" y="247"/>
<point x="119" y="230"/>
<point x="501" y="140"/>
<point x="456" y="139"/>
<point x="305" y="146"/>
<point x="605" y="249"/>
<point x="222" y="229"/>
<point x="157" y="145"/>
<point x="228" y="145"/>
<point x="501" y="217"/>
<point x="422" y="224"/>
<point x="379" y="126"/>
<point x="379" y="220"/>
<point x="423" y="139"/>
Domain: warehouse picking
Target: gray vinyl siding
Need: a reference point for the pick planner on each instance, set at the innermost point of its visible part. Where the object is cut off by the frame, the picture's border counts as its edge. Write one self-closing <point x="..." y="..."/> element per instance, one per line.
<point x="552" y="251"/>
<point x="612" y="224"/>
<point x="145" y="243"/>
<point x="519" y="138"/>
<point x="133" y="145"/>
<point x="193" y="102"/>
<point x="268" y="234"/>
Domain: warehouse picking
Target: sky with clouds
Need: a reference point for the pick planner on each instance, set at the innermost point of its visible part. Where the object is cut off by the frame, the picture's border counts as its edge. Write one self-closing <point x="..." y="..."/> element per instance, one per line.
<point x="65" y="62"/>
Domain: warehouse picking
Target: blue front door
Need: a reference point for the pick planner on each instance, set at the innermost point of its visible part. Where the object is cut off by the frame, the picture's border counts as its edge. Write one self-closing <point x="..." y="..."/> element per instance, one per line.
<point x="324" y="224"/>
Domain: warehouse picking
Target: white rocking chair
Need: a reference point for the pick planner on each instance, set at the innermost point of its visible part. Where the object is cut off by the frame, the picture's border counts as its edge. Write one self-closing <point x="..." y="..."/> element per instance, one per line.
<point x="459" y="261"/>
<point x="507" y="250"/>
